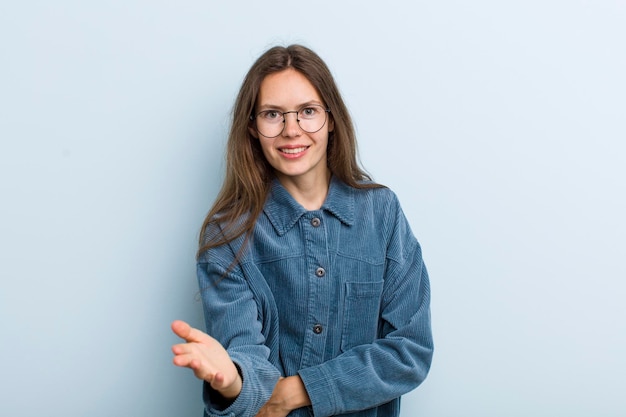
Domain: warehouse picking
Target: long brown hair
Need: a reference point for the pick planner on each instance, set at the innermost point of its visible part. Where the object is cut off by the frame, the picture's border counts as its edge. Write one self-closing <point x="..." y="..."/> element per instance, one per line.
<point x="248" y="174"/>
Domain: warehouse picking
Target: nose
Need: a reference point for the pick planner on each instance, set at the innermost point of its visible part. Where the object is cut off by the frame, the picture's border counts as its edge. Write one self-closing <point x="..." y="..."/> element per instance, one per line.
<point x="291" y="128"/>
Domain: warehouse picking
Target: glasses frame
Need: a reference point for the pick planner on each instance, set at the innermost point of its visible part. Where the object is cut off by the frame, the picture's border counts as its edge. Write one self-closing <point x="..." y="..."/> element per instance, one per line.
<point x="253" y="118"/>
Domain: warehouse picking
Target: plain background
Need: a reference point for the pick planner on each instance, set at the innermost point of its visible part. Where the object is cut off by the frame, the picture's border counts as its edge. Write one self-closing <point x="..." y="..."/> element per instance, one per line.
<point x="500" y="125"/>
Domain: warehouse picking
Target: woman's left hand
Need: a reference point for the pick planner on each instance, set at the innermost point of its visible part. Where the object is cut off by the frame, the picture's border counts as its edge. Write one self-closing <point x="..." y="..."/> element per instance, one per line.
<point x="289" y="394"/>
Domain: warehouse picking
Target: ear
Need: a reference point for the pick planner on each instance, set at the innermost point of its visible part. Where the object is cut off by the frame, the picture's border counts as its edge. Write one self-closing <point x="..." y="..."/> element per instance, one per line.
<point x="331" y="124"/>
<point x="253" y="131"/>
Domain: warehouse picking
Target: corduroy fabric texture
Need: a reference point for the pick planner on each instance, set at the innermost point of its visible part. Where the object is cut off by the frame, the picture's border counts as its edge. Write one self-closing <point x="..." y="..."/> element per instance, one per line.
<point x="340" y="296"/>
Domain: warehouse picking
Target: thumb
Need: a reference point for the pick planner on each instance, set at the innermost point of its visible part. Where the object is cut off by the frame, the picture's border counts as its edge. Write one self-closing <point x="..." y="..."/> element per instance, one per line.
<point x="191" y="335"/>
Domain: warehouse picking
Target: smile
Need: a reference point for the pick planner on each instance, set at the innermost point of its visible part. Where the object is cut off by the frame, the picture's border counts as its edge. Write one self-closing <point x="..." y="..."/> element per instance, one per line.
<point x="294" y="150"/>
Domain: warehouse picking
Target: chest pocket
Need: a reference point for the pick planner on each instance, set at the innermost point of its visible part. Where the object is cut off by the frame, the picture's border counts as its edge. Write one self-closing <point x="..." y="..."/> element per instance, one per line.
<point x="361" y="313"/>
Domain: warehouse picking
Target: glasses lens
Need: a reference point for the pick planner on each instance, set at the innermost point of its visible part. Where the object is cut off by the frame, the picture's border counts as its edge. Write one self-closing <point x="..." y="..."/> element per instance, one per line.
<point x="270" y="123"/>
<point x="312" y="118"/>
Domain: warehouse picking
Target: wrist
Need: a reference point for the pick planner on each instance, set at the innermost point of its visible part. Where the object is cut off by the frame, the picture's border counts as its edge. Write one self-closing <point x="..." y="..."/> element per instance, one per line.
<point x="296" y="395"/>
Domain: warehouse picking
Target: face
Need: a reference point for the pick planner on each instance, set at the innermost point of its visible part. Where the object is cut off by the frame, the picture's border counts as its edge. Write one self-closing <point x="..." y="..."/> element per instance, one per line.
<point x="294" y="154"/>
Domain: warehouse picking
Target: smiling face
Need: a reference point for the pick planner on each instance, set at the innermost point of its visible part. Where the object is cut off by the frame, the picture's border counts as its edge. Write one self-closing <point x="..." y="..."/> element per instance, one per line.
<point x="297" y="157"/>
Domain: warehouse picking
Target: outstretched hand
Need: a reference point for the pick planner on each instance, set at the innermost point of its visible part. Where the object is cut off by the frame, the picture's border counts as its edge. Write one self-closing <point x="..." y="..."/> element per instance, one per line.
<point x="207" y="358"/>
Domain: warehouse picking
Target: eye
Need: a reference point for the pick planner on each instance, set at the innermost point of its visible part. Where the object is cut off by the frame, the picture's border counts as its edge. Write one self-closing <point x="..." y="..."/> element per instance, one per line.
<point x="309" y="112"/>
<point x="270" y="115"/>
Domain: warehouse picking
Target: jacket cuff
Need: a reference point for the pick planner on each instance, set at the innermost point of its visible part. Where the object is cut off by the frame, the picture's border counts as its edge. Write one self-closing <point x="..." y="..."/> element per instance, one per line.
<point x="322" y="392"/>
<point x="218" y="406"/>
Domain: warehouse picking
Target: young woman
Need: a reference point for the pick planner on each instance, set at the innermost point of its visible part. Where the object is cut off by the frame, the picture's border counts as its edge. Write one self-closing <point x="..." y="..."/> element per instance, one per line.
<point x="315" y="294"/>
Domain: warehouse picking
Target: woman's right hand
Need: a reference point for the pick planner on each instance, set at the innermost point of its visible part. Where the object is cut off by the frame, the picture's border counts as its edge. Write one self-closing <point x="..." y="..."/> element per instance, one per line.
<point x="207" y="358"/>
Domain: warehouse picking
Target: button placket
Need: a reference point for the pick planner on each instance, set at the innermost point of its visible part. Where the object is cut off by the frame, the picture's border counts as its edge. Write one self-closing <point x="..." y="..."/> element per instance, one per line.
<point x="315" y="234"/>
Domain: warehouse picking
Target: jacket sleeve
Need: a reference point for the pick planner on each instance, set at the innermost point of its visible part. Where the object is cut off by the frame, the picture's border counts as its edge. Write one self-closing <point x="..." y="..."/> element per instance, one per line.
<point x="372" y="374"/>
<point x="233" y="317"/>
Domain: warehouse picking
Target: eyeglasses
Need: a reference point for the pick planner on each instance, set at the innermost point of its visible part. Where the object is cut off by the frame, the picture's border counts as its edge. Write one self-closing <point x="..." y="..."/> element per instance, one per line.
<point x="271" y="123"/>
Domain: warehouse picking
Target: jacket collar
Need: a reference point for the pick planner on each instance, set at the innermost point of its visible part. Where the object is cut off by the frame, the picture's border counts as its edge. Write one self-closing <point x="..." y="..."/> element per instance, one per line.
<point x="284" y="211"/>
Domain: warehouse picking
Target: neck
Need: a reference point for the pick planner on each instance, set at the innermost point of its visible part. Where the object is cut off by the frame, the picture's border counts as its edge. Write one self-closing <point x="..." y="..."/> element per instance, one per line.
<point x="310" y="193"/>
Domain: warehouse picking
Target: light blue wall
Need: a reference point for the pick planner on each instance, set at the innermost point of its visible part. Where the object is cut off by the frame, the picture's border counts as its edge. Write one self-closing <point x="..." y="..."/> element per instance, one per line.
<point x="500" y="124"/>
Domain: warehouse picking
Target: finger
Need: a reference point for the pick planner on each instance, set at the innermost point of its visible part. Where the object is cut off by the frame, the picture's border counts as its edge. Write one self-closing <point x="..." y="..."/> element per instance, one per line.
<point x="185" y="331"/>
<point x="191" y="362"/>
<point x="201" y="371"/>
<point x="218" y="381"/>
<point x="183" y="360"/>
<point x="181" y="328"/>
<point x="181" y="348"/>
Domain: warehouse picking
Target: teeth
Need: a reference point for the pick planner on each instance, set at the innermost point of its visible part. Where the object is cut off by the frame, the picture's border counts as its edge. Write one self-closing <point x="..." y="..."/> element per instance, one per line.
<point x="293" y="150"/>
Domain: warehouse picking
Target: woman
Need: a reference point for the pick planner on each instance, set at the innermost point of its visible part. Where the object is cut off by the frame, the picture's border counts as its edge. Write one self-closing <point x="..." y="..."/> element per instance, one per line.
<point x="315" y="294"/>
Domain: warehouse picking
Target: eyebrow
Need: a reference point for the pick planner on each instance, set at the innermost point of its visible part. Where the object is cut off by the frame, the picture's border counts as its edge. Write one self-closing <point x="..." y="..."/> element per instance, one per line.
<point x="277" y="107"/>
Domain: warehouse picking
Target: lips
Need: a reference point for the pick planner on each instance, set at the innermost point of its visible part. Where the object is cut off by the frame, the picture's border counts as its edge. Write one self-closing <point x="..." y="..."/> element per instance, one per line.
<point x="293" y="150"/>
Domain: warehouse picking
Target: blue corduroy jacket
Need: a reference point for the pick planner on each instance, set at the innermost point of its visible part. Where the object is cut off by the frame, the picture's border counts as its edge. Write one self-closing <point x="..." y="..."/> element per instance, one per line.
<point x="339" y="296"/>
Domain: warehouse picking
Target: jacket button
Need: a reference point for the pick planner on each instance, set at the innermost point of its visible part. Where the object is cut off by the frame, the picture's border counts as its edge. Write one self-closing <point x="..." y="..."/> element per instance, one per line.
<point x="315" y="222"/>
<point x="320" y="272"/>
<point x="317" y="329"/>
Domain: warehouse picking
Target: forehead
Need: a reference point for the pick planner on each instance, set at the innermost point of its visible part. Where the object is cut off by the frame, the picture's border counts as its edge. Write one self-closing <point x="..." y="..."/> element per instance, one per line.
<point x="286" y="89"/>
